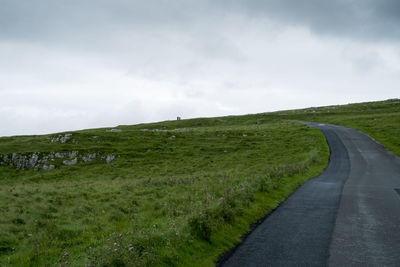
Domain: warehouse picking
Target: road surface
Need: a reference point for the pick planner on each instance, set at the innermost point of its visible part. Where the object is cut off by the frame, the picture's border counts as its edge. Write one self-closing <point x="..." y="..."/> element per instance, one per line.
<point x="347" y="216"/>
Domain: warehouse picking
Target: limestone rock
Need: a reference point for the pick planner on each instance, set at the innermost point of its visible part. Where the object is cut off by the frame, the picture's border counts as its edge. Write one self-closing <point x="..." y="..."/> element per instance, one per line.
<point x="70" y="162"/>
<point x="59" y="155"/>
<point x="38" y="160"/>
<point x="110" y="158"/>
<point x="62" y="139"/>
<point x="89" y="157"/>
<point x="48" y="167"/>
<point x="65" y="138"/>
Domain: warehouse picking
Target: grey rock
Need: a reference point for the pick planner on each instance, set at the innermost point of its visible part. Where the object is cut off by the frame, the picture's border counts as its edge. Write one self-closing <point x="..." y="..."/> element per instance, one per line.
<point x="19" y="161"/>
<point x="62" y="139"/>
<point x="89" y="157"/>
<point x="115" y="130"/>
<point x="65" y="138"/>
<point x="48" y="167"/>
<point x="32" y="161"/>
<point x="73" y="154"/>
<point x="110" y="158"/>
<point x="42" y="161"/>
<point x="38" y="161"/>
<point x="59" y="155"/>
<point x="70" y="162"/>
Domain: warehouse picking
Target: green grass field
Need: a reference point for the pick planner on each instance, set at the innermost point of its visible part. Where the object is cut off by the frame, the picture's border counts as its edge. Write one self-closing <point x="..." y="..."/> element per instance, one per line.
<point x="177" y="192"/>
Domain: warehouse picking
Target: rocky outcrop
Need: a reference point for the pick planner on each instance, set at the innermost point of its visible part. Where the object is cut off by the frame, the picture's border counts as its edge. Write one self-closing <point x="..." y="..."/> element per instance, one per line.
<point x="89" y="157"/>
<point x="70" y="162"/>
<point x="62" y="138"/>
<point x="61" y="155"/>
<point x="48" y="167"/>
<point x="110" y="158"/>
<point x="49" y="161"/>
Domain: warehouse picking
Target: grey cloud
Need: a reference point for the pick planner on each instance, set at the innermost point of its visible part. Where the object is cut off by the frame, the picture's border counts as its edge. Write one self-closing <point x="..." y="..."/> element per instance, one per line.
<point x="101" y="23"/>
<point x="370" y="20"/>
<point x="27" y="20"/>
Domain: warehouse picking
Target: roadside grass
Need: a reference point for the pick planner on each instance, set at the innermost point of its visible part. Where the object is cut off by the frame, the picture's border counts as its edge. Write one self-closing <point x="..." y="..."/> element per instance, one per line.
<point x="178" y="193"/>
<point x="380" y="120"/>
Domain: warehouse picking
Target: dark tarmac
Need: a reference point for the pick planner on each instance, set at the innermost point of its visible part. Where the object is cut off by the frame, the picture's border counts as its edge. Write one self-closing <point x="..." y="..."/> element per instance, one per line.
<point x="347" y="216"/>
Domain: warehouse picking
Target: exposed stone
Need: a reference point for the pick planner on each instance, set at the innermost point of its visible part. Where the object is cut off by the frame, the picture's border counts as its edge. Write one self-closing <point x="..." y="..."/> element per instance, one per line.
<point x="59" y="155"/>
<point x="110" y="158"/>
<point x="114" y="130"/>
<point x="42" y="161"/>
<point x="18" y="161"/>
<point x="48" y="167"/>
<point x="73" y="154"/>
<point x="89" y="157"/>
<point x="65" y="138"/>
<point x="70" y="162"/>
<point x="39" y="160"/>
<point x="32" y="161"/>
<point x="62" y="139"/>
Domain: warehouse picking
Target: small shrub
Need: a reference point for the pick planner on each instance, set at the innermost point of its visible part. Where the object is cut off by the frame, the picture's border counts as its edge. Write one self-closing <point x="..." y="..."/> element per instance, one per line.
<point x="201" y="226"/>
<point x="6" y="244"/>
<point x="18" y="221"/>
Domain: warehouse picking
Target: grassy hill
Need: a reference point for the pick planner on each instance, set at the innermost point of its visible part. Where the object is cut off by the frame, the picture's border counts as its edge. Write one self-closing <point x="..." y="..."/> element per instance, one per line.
<point x="380" y="120"/>
<point x="167" y="193"/>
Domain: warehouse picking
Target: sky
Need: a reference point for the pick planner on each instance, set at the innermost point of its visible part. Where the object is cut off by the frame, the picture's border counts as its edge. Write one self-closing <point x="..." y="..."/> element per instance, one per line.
<point x="69" y="64"/>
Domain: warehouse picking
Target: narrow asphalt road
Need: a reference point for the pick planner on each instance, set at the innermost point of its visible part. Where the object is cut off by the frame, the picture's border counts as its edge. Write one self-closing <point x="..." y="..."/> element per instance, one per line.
<point x="347" y="216"/>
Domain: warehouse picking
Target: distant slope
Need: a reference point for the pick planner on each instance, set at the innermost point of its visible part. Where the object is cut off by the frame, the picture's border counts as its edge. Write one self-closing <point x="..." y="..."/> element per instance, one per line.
<point x="380" y="120"/>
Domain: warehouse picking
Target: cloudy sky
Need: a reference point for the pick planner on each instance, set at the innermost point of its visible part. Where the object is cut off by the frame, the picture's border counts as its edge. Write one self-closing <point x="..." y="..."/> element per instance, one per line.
<point x="69" y="64"/>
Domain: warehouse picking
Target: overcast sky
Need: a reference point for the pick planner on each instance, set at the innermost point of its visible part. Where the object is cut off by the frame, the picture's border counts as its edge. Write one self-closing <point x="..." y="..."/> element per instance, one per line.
<point x="69" y="64"/>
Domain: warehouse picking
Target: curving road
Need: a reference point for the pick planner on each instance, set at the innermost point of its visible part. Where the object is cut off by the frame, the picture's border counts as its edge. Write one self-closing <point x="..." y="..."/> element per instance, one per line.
<point x="347" y="216"/>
